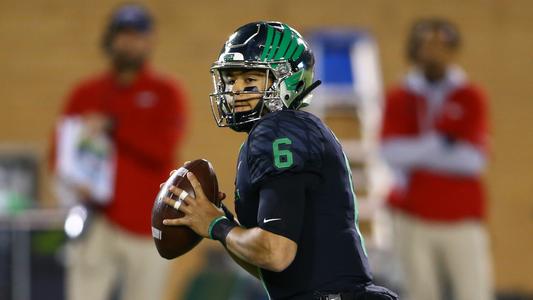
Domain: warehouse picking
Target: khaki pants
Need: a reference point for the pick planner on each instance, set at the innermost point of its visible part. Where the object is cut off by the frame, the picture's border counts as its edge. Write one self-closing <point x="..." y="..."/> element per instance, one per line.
<point x="106" y="253"/>
<point x="430" y="249"/>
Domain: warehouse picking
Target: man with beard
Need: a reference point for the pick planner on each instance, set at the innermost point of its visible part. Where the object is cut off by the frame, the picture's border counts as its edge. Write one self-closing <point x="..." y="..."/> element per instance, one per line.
<point x="435" y="138"/>
<point x="142" y="114"/>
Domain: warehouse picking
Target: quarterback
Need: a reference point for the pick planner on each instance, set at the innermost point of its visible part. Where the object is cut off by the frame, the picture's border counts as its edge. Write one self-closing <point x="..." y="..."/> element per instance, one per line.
<point x="297" y="227"/>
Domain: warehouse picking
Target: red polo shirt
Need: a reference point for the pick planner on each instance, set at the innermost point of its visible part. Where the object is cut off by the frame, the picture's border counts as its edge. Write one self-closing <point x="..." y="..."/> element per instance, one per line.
<point x="433" y="195"/>
<point x="149" y="117"/>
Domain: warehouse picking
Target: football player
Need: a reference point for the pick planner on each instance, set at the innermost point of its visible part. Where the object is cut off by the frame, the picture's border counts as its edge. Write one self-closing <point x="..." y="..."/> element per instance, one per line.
<point x="297" y="214"/>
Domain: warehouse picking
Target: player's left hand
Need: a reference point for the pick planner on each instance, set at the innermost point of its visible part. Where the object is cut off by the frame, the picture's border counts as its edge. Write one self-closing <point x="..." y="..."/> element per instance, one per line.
<point x="199" y="211"/>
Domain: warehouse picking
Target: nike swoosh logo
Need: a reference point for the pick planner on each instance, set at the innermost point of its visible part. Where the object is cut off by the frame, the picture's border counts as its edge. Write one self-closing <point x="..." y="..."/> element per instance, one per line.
<point x="270" y="220"/>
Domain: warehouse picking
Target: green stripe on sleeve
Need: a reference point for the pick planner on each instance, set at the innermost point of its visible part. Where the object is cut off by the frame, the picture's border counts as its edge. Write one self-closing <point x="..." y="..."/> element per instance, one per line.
<point x="263" y="282"/>
<point x="355" y="204"/>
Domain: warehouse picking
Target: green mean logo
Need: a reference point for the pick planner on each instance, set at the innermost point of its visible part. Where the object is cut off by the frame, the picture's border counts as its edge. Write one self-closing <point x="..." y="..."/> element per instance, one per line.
<point x="281" y="45"/>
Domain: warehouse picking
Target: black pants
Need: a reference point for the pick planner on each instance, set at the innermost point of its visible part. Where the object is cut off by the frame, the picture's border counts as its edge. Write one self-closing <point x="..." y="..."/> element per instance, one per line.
<point x="368" y="292"/>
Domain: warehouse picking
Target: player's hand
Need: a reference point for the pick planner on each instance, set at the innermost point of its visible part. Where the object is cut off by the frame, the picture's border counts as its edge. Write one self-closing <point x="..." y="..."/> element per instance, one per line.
<point x="83" y="191"/>
<point x="199" y="211"/>
<point x="97" y="123"/>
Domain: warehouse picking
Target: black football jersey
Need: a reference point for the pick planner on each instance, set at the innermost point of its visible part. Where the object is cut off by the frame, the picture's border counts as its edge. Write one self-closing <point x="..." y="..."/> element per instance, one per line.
<point x="291" y="144"/>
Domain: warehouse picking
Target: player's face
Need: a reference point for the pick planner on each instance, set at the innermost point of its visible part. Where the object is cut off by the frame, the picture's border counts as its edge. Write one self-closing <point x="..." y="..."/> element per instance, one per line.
<point x="247" y="86"/>
<point x="130" y="48"/>
<point x="434" y="53"/>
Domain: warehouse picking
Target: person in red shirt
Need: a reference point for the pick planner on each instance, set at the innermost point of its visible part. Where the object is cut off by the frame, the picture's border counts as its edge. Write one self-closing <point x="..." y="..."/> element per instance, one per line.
<point x="434" y="138"/>
<point x="143" y="114"/>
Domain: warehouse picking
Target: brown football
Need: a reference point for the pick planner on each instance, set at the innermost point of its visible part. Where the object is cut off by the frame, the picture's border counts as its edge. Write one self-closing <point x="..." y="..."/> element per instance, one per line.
<point x="173" y="241"/>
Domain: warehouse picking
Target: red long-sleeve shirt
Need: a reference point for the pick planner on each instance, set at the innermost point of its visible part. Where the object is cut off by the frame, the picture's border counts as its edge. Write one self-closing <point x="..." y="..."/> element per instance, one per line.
<point x="149" y="117"/>
<point x="430" y="194"/>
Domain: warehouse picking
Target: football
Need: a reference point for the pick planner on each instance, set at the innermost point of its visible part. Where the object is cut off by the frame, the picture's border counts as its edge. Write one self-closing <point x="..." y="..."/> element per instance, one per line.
<point x="173" y="241"/>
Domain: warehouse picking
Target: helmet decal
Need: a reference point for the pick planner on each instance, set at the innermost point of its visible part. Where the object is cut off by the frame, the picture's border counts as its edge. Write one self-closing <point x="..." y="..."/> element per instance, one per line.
<point x="288" y="48"/>
<point x="293" y="80"/>
<point x="232" y="56"/>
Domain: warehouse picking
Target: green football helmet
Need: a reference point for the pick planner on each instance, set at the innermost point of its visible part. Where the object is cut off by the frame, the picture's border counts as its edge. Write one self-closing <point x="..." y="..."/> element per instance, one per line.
<point x="279" y="51"/>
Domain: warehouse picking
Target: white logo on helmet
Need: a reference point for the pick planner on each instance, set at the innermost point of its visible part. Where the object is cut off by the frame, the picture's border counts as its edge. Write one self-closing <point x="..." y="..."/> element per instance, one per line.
<point x="232" y="56"/>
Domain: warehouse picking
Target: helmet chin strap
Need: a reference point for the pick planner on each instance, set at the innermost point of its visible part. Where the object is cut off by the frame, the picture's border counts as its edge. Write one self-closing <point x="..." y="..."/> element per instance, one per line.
<point x="297" y="102"/>
<point x="273" y="105"/>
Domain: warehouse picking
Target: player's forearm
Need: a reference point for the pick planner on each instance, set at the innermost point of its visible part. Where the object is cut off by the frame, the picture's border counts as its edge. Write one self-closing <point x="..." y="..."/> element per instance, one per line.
<point x="403" y="153"/>
<point x="256" y="247"/>
<point x="461" y="158"/>
<point x="432" y="152"/>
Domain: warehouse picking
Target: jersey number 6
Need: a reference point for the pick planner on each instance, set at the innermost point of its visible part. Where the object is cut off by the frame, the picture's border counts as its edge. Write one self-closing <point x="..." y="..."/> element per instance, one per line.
<point x="282" y="157"/>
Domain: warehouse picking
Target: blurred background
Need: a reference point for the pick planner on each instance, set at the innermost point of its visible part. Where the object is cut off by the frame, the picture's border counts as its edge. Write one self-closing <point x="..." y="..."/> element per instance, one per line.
<point x="49" y="46"/>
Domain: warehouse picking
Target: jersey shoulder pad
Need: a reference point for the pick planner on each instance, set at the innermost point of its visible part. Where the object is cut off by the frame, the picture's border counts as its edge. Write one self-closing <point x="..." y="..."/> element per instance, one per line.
<point x="284" y="141"/>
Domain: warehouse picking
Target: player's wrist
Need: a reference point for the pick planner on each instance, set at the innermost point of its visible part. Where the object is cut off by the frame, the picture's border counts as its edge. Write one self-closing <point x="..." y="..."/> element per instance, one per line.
<point x="220" y="228"/>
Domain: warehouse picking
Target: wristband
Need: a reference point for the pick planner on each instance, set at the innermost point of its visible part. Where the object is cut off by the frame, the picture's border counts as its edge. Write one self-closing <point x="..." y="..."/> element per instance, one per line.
<point x="219" y="229"/>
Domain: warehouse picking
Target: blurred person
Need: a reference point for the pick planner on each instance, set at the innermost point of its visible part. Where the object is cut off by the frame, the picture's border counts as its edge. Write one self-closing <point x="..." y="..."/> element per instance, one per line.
<point x="297" y="228"/>
<point x="434" y="137"/>
<point x="129" y="121"/>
